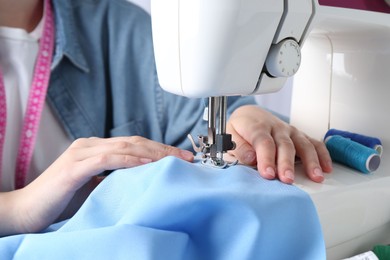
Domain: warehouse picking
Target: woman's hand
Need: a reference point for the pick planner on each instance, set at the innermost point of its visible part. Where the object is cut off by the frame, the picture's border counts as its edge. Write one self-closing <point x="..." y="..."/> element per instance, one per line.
<point x="87" y="157"/>
<point x="264" y="140"/>
<point x="41" y="202"/>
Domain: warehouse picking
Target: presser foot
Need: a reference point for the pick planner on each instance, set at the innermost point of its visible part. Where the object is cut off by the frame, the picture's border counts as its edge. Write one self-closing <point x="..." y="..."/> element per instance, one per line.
<point x="205" y="155"/>
<point x="217" y="163"/>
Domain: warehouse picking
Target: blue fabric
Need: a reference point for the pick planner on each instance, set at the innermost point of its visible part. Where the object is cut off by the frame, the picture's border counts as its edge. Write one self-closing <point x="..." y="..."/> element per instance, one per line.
<point x="104" y="55"/>
<point x="172" y="209"/>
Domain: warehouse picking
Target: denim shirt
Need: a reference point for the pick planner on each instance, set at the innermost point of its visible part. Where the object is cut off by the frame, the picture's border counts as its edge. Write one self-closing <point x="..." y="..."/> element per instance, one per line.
<point x="104" y="81"/>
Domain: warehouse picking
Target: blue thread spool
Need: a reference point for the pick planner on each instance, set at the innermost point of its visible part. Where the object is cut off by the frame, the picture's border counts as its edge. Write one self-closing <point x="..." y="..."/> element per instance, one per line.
<point x="352" y="154"/>
<point x="365" y="140"/>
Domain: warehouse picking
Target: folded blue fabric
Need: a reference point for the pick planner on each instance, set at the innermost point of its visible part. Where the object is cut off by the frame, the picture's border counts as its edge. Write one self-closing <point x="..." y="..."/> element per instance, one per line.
<point x="172" y="209"/>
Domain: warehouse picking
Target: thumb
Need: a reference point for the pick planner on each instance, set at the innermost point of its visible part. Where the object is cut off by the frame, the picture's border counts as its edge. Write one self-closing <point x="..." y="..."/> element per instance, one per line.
<point x="243" y="152"/>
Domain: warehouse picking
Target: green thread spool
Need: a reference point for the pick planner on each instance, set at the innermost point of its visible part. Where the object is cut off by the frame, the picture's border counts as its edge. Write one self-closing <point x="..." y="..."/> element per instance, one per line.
<point x="382" y="251"/>
<point x="352" y="154"/>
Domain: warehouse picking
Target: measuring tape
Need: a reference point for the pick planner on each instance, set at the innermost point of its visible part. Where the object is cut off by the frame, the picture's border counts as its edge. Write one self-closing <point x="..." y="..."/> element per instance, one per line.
<point x="35" y="101"/>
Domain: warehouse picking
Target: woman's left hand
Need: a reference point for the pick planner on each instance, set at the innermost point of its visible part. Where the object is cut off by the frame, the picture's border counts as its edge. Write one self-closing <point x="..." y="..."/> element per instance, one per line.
<point x="271" y="144"/>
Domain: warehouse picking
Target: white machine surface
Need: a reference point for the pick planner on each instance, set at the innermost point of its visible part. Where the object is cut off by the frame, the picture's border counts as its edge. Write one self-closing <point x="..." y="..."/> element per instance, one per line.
<point x="353" y="208"/>
<point x="241" y="47"/>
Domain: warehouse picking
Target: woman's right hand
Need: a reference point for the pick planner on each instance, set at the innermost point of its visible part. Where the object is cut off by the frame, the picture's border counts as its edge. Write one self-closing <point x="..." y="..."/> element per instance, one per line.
<point x="39" y="204"/>
<point x="87" y="157"/>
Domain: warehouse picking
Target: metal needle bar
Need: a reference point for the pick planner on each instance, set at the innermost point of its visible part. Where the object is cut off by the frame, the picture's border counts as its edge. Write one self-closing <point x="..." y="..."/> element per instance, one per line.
<point x="211" y="120"/>
<point x="222" y="115"/>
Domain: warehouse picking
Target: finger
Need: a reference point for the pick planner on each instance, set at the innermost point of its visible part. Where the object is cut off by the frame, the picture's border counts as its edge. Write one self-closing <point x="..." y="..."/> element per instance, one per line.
<point x="243" y="151"/>
<point x="82" y="149"/>
<point x="308" y="154"/>
<point x="157" y="151"/>
<point x="285" y="158"/>
<point x="264" y="146"/>
<point x="258" y="136"/>
<point x="135" y="146"/>
<point x="323" y="155"/>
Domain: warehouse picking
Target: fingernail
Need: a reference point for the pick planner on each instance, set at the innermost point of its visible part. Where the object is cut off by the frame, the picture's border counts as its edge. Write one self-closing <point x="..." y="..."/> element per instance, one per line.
<point x="249" y="157"/>
<point x="145" y="160"/>
<point x="270" y="172"/>
<point x="186" y="155"/>
<point x="289" y="175"/>
<point x="318" y="172"/>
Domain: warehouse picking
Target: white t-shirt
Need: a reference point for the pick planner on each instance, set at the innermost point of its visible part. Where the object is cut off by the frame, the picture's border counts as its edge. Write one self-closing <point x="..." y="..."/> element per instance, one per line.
<point x="18" y="54"/>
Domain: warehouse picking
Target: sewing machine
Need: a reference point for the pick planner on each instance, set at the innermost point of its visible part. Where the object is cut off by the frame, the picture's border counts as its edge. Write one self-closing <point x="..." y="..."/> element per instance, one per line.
<point x="218" y="48"/>
<point x="341" y="56"/>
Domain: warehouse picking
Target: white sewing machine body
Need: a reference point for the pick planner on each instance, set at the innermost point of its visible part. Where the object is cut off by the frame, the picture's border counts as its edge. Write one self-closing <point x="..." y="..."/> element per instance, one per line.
<point x="226" y="47"/>
<point x="216" y="48"/>
<point x="219" y="48"/>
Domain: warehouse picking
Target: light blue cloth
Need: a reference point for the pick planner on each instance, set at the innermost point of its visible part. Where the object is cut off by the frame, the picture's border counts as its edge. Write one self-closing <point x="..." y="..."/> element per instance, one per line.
<point x="172" y="209"/>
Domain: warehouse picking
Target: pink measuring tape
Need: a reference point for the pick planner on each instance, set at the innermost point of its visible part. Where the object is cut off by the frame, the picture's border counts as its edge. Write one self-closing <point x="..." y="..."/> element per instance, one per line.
<point x="35" y="101"/>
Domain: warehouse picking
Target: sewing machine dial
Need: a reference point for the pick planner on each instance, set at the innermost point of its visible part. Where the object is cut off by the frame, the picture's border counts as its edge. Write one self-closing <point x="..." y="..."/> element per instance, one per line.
<point x="284" y="58"/>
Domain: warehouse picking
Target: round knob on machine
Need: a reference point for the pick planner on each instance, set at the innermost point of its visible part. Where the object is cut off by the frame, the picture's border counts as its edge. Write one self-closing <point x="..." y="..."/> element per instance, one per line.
<point x="283" y="58"/>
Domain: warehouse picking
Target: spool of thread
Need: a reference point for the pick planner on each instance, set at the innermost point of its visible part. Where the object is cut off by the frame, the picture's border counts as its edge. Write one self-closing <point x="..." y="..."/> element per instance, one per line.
<point x="365" y="140"/>
<point x="352" y="154"/>
<point x="382" y="251"/>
